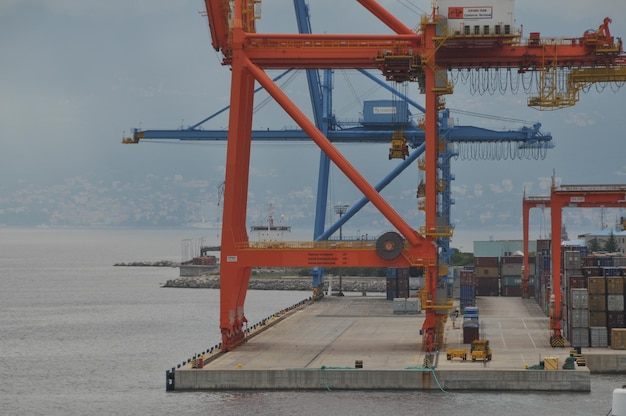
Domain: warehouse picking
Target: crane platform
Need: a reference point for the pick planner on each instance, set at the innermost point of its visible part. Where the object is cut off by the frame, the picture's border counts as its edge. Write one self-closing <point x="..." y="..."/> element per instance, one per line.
<point x="358" y="343"/>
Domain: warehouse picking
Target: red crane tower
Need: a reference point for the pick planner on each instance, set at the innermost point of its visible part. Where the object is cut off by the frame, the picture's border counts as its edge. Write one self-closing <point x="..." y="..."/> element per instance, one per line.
<point x="423" y="57"/>
<point x="565" y="196"/>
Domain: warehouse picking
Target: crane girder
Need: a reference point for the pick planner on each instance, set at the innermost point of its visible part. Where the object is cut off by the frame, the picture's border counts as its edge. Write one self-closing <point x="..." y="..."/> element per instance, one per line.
<point x="219" y="13"/>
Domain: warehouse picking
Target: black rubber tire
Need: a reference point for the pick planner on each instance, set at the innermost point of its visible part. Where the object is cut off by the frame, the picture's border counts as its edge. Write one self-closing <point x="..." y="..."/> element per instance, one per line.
<point x="389" y="246"/>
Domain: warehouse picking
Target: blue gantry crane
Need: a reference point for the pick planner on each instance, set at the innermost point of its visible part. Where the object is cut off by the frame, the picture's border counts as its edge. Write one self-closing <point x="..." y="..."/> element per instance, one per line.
<point x="466" y="142"/>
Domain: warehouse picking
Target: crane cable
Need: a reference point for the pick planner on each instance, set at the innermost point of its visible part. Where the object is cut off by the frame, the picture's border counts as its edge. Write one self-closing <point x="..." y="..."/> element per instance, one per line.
<point x="269" y="98"/>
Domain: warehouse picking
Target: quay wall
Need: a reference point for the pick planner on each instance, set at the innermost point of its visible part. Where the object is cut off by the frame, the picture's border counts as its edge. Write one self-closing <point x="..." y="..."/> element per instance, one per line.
<point x="605" y="363"/>
<point x="362" y="379"/>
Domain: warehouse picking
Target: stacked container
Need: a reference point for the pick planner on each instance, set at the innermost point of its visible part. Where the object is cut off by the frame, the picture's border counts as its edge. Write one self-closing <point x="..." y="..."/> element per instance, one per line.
<point x="397" y="283"/>
<point x="578" y="314"/>
<point x="470" y="325"/>
<point x="511" y="273"/>
<point x="487" y="274"/>
<point x="542" y="274"/>
<point x="467" y="288"/>
<point x="614" y="297"/>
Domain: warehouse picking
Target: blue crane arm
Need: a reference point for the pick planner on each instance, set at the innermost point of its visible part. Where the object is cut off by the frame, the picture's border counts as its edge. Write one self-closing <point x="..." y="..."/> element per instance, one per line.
<point x="414" y="135"/>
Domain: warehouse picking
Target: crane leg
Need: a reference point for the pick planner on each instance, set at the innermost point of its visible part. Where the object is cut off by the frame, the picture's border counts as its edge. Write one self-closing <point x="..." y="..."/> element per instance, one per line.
<point x="429" y="332"/>
<point x="557" y="339"/>
<point x="234" y="271"/>
<point x="233" y="288"/>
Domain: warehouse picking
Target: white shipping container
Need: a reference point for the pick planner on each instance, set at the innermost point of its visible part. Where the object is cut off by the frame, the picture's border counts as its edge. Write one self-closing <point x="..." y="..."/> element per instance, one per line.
<point x="416" y="282"/>
<point x="477" y="17"/>
<point x="413" y="306"/>
<point x="599" y="336"/>
<point x="615" y="303"/>
<point x="579" y="337"/>
<point x="580" y="298"/>
<point x="399" y="306"/>
<point x="579" y="318"/>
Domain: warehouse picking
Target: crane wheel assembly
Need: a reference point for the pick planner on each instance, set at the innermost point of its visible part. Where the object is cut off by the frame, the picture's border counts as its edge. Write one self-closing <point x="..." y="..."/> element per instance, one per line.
<point x="389" y="246"/>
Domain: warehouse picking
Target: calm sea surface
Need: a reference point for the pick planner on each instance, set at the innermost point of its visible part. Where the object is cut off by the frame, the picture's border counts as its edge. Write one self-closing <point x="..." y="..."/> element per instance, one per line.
<point x="79" y="336"/>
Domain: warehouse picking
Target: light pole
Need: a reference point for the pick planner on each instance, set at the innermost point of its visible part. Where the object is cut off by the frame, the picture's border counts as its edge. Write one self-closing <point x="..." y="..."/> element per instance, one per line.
<point x="340" y="209"/>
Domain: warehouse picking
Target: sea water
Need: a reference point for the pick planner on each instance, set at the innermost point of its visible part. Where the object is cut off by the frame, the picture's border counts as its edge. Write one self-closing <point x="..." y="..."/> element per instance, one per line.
<point x="80" y="336"/>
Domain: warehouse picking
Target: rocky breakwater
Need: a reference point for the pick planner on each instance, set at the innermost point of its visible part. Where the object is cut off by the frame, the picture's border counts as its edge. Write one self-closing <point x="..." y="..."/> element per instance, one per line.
<point x="160" y="263"/>
<point x="348" y="284"/>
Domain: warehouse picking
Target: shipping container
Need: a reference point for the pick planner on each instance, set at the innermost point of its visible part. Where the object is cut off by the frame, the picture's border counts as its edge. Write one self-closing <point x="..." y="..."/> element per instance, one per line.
<point x="471" y="314"/>
<point x="468" y="292"/>
<point x="579" y="298"/>
<point x="579" y="337"/>
<point x="615" y="285"/>
<point x="512" y="269"/>
<point x="512" y="260"/>
<point x="487" y="287"/>
<point x="403" y="272"/>
<point x="599" y="336"/>
<point x="619" y="261"/>
<point x="615" y="319"/>
<point x="486" y="262"/>
<point x="487" y="272"/>
<point x="470" y="331"/>
<point x="511" y="281"/>
<point x="403" y="283"/>
<point x="544" y="245"/>
<point x="384" y="112"/>
<point x="597" y="318"/>
<point x="611" y="271"/>
<point x="404" y="293"/>
<point x="597" y="303"/>
<point x="572" y="260"/>
<point x="413" y="306"/>
<point x="615" y="303"/>
<point x="467" y="277"/>
<point x="592" y="271"/>
<point x="579" y="318"/>
<point x="576" y="282"/>
<point x="618" y="338"/>
<point x="596" y="285"/>
<point x="399" y="306"/>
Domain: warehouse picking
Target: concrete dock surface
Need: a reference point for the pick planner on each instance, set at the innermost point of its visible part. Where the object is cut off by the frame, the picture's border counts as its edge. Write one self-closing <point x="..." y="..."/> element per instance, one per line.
<point x="357" y="342"/>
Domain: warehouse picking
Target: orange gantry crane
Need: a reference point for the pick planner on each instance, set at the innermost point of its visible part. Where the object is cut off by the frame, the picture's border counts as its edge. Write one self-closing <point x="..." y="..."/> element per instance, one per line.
<point x="425" y="57"/>
<point x="565" y="196"/>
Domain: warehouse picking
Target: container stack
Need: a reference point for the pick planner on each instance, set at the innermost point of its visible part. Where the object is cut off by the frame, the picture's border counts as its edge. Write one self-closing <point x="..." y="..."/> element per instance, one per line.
<point x="578" y="314"/>
<point x="470" y="325"/>
<point x="467" y="288"/>
<point x="397" y="283"/>
<point x="512" y="276"/>
<point x="487" y="274"/>
<point x="543" y="264"/>
<point x="575" y="327"/>
<point x="614" y="298"/>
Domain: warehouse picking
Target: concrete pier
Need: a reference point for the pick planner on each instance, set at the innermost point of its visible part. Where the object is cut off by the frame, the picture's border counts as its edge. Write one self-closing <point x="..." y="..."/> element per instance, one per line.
<point x="358" y="343"/>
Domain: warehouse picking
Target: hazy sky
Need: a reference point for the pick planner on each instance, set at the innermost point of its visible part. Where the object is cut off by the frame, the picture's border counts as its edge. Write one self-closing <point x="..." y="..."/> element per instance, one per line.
<point x="76" y="75"/>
